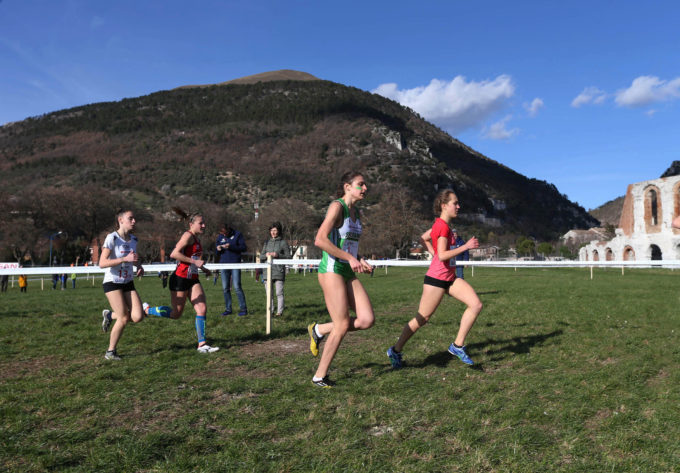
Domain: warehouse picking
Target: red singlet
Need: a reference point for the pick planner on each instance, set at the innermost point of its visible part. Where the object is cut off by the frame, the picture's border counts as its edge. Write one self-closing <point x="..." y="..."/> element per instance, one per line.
<point x="193" y="251"/>
<point x="442" y="270"/>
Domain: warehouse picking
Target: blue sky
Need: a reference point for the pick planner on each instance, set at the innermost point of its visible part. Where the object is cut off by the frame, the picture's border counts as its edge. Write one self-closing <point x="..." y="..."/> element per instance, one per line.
<point x="585" y="95"/>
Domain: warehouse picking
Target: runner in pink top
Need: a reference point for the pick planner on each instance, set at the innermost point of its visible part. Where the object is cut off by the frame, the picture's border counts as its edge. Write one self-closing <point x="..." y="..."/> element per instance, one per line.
<point x="441" y="279"/>
<point x="442" y="270"/>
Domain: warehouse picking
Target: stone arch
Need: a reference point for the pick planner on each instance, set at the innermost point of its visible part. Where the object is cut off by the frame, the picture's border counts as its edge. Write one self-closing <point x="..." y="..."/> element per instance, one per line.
<point x="628" y="254"/>
<point x="653" y="208"/>
<point x="596" y="256"/>
<point x="655" y="253"/>
<point x="608" y="254"/>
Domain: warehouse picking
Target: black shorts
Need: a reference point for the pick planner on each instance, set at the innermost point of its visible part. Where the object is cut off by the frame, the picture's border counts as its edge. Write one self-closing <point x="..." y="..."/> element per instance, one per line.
<point x="179" y="284"/>
<point x="125" y="287"/>
<point x="438" y="282"/>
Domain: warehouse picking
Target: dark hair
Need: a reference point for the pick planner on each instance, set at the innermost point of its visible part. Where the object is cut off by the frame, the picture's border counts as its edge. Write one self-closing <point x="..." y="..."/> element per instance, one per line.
<point x="278" y="226"/>
<point x="442" y="198"/>
<point x="119" y="213"/>
<point x="346" y="178"/>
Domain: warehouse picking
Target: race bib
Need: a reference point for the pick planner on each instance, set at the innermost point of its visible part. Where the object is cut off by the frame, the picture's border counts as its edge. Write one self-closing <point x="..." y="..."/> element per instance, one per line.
<point x="351" y="247"/>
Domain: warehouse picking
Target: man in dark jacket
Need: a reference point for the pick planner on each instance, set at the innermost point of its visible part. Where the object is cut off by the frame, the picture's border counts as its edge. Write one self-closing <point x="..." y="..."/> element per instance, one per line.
<point x="465" y="256"/>
<point x="230" y="244"/>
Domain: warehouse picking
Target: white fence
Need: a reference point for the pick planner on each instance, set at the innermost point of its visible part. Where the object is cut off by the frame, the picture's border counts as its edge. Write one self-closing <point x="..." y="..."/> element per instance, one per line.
<point x="314" y="263"/>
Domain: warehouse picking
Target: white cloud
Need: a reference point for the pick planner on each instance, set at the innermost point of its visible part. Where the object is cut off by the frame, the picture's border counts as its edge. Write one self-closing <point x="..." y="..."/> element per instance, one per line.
<point x="455" y="105"/>
<point x="648" y="89"/>
<point x="534" y="106"/>
<point x="499" y="131"/>
<point x="589" y="95"/>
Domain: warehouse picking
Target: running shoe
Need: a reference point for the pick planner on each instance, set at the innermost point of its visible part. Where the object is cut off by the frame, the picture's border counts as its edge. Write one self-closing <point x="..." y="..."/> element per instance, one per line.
<point x="460" y="353"/>
<point x="207" y="349"/>
<point x="106" y="320"/>
<point x="145" y="307"/>
<point x="112" y="355"/>
<point x="323" y="382"/>
<point x="226" y="312"/>
<point x="395" y="358"/>
<point x="314" y="339"/>
<point x="243" y="312"/>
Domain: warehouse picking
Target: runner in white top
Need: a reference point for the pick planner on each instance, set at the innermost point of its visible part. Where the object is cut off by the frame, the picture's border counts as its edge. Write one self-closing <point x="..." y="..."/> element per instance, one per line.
<point x="119" y="258"/>
<point x="341" y="289"/>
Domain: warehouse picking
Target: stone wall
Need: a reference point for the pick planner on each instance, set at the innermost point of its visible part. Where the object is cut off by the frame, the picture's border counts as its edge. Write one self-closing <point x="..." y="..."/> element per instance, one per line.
<point x="645" y="231"/>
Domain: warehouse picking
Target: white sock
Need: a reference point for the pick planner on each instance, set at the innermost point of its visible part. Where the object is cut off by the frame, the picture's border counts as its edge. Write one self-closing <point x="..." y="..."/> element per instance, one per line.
<point x="316" y="379"/>
<point x="316" y="331"/>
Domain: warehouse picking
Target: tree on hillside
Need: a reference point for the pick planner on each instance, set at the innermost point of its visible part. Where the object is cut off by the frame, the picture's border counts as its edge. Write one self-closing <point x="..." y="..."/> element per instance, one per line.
<point x="393" y="224"/>
<point x="299" y="221"/>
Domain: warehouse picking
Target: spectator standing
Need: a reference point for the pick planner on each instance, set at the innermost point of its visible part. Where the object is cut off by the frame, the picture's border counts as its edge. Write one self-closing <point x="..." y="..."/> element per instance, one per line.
<point x="230" y="244"/>
<point x="464" y="256"/>
<point x="63" y="281"/>
<point x="55" y="280"/>
<point x="4" y="279"/>
<point x="73" y="278"/>
<point x="23" y="283"/>
<point x="276" y="247"/>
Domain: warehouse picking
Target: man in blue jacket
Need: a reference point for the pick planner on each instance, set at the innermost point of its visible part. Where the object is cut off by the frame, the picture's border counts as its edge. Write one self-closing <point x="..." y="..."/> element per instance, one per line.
<point x="230" y="244"/>
<point x="464" y="256"/>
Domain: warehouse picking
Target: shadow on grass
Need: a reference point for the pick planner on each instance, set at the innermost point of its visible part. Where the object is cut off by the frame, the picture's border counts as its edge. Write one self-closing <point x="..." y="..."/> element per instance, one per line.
<point x="517" y="345"/>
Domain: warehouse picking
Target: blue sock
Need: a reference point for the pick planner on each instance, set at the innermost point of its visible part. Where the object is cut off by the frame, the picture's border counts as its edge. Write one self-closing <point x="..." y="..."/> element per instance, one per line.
<point x="160" y="311"/>
<point x="200" y="328"/>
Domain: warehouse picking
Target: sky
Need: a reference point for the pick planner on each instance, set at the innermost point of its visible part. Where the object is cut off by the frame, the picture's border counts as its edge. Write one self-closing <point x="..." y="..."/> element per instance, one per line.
<point x="582" y="94"/>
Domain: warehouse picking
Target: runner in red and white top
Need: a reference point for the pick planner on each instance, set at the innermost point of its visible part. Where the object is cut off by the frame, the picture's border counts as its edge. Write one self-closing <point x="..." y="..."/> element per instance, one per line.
<point x="184" y="282"/>
<point x="441" y="279"/>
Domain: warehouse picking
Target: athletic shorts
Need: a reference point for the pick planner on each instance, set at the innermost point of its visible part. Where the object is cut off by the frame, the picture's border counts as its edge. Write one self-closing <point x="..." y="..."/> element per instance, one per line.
<point x="125" y="287"/>
<point x="180" y="284"/>
<point x="429" y="280"/>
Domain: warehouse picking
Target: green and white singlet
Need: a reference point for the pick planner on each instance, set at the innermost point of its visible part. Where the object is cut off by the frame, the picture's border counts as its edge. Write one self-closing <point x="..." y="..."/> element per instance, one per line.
<point x="347" y="239"/>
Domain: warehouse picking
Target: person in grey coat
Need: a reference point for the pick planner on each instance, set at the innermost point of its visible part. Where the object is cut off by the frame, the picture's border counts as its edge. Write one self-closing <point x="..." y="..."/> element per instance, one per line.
<point x="276" y="247"/>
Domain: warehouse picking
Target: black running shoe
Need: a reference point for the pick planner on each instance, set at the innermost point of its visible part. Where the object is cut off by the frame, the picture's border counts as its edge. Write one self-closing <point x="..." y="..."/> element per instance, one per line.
<point x="323" y="382"/>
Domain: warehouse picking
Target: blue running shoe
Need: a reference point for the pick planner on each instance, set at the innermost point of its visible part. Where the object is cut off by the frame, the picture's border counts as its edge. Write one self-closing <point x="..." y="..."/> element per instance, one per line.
<point x="460" y="353"/>
<point x="242" y="312"/>
<point x="395" y="358"/>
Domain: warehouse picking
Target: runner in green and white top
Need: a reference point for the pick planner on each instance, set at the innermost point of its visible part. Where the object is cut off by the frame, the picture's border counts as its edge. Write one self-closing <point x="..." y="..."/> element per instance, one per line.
<point x="347" y="239"/>
<point x="338" y="238"/>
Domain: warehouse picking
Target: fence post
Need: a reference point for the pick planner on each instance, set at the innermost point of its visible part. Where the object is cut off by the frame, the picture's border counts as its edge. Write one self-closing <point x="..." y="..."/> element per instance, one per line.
<point x="473" y="271"/>
<point x="268" y="288"/>
<point x="591" y="272"/>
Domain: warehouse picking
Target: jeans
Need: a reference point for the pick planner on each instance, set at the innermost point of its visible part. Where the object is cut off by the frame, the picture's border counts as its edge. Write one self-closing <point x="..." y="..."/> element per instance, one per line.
<point x="229" y="276"/>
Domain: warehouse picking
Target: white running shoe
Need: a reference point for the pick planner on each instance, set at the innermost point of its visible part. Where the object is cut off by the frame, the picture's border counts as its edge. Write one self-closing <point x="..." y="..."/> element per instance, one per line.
<point x="106" y="320"/>
<point x="207" y="349"/>
<point x="145" y="307"/>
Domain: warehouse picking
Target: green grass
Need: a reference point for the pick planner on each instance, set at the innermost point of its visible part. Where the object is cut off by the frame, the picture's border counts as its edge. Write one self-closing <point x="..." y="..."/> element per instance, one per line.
<point x="572" y="374"/>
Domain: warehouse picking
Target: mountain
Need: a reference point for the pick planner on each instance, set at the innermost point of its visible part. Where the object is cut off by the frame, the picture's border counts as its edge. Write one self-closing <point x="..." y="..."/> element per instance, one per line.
<point x="610" y="212"/>
<point x="263" y="141"/>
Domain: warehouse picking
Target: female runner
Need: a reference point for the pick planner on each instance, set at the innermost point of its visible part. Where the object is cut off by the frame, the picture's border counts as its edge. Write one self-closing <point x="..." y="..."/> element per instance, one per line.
<point x="119" y="256"/>
<point x="184" y="281"/>
<point x="441" y="279"/>
<point x="338" y="238"/>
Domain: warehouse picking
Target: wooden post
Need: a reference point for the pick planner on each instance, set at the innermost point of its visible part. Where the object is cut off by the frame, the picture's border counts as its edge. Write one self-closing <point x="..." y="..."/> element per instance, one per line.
<point x="269" y="294"/>
<point x="42" y="283"/>
<point x="591" y="272"/>
<point x="473" y="271"/>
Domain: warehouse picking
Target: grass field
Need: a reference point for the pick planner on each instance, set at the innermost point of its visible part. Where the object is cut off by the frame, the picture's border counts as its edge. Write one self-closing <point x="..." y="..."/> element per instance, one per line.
<point x="572" y="374"/>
